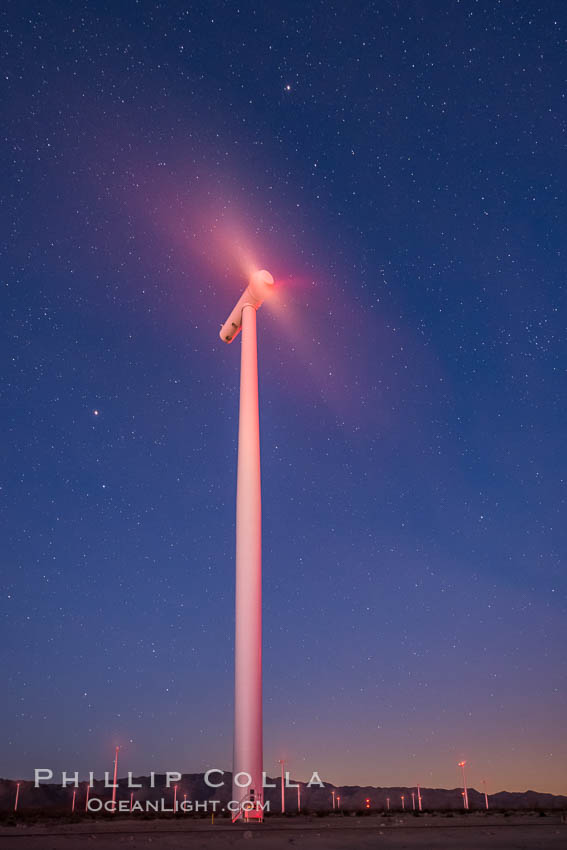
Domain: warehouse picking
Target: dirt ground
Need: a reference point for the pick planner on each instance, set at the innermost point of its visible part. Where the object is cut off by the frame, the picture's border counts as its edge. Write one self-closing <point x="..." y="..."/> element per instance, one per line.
<point x="519" y="833"/>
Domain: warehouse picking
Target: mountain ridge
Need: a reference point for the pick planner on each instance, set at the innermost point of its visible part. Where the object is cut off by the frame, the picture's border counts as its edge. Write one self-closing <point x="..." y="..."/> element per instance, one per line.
<point x="316" y="798"/>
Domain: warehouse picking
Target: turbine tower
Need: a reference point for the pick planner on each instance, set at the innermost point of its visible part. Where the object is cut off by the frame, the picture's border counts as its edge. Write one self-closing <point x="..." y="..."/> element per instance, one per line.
<point x="465" y="789"/>
<point x="247" y="753"/>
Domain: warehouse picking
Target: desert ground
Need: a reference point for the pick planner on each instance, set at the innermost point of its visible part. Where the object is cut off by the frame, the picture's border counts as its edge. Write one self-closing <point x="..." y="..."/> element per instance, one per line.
<point x="521" y="832"/>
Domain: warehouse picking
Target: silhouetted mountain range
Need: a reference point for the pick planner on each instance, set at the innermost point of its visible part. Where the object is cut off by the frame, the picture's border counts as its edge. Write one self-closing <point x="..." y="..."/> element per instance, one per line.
<point x="352" y="797"/>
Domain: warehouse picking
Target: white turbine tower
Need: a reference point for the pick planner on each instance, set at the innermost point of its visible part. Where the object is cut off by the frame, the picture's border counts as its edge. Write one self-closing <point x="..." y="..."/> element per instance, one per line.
<point x="247" y="756"/>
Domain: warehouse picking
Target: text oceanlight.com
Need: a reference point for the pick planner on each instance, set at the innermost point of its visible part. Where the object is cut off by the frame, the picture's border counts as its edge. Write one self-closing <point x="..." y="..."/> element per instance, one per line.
<point x="125" y="806"/>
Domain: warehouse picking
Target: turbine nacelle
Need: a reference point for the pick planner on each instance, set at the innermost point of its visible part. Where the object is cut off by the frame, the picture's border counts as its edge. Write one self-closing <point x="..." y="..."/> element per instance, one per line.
<point x="259" y="287"/>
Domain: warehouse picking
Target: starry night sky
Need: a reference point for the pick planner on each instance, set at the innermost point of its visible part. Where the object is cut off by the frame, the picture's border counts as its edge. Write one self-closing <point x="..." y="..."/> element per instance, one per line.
<point x="400" y="168"/>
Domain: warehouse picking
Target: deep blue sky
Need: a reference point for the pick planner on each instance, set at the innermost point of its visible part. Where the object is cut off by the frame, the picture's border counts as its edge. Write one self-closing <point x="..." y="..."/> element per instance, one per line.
<point x="400" y="168"/>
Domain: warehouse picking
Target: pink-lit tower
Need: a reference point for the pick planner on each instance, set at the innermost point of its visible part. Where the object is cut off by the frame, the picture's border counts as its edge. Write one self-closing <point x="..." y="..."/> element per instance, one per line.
<point x="247" y="755"/>
<point x="282" y="762"/>
<point x="115" y="783"/>
<point x="465" y="789"/>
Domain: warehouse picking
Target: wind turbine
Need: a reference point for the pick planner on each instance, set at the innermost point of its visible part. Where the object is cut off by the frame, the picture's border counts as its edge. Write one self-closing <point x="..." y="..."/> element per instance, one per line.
<point x="247" y="754"/>
<point x="282" y="762"/>
<point x="465" y="790"/>
<point x="114" y="784"/>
